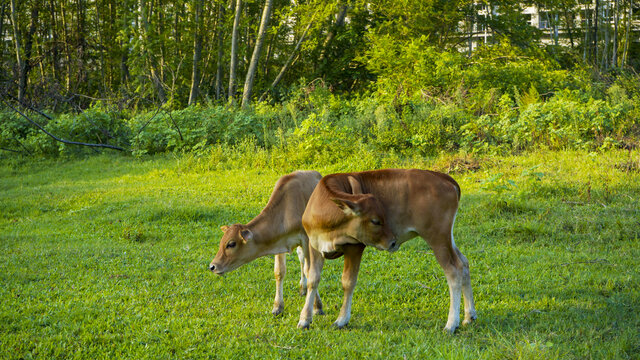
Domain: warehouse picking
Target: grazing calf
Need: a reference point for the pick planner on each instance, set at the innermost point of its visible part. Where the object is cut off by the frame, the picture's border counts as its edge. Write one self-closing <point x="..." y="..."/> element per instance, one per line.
<point x="275" y="231"/>
<point x="384" y="208"/>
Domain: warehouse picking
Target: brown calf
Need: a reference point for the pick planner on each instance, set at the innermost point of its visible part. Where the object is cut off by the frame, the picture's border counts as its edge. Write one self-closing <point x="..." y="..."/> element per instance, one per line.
<point x="275" y="231"/>
<point x="384" y="208"/>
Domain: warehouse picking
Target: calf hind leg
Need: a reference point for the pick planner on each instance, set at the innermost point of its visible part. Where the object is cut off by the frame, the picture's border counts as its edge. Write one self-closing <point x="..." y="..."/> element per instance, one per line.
<point x="469" y="305"/>
<point x="279" y="270"/>
<point x="454" y="269"/>
<point x="316" y="262"/>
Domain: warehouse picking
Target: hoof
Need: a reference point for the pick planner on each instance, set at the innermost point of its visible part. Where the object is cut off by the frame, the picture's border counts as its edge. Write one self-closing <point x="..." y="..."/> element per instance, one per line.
<point x="277" y="310"/>
<point x="340" y="325"/>
<point x="469" y="320"/>
<point x="303" y="291"/>
<point x="318" y="312"/>
<point x="304" y="325"/>
<point x="450" y="330"/>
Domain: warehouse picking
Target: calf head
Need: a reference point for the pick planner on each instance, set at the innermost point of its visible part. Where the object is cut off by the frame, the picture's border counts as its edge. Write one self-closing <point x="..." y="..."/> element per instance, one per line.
<point x="365" y="221"/>
<point x="236" y="249"/>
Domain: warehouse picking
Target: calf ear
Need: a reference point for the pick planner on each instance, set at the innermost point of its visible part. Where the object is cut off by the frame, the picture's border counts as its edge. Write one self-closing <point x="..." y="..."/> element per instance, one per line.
<point x="348" y="207"/>
<point x="224" y="228"/>
<point x="246" y="235"/>
<point x="356" y="188"/>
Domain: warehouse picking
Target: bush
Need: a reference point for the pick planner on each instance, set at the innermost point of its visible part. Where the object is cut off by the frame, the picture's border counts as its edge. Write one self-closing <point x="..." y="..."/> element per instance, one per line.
<point x="94" y="125"/>
<point x="566" y="121"/>
<point x="524" y="102"/>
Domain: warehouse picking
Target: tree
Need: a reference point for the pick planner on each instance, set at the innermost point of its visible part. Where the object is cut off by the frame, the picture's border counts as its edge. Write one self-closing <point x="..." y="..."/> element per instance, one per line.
<point x="197" y="51"/>
<point x="23" y="52"/>
<point x="233" y="63"/>
<point x="220" y="38"/>
<point x="287" y="63"/>
<point x="253" y="65"/>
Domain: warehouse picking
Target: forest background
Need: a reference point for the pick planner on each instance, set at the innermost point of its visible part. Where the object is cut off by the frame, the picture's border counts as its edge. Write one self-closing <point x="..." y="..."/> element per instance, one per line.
<point x="316" y="79"/>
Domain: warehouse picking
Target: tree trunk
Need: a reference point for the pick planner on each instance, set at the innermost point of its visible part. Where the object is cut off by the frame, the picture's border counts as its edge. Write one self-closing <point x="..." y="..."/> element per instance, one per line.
<point x="220" y="52"/>
<point x="604" y="62"/>
<point x="472" y="16"/>
<point x="67" y="48"/>
<point x="144" y="31"/>
<point x="570" y="23"/>
<point x="586" y="48"/>
<point x="286" y="65"/>
<point x="233" y="63"/>
<point x="19" y="58"/>
<point x="253" y="65"/>
<point x="595" y="34"/>
<point x="626" y="35"/>
<point x="3" y="11"/>
<point x="24" y="59"/>
<point x="197" y="51"/>
<point x="55" y="61"/>
<point x="265" y="68"/>
<point x="614" y="57"/>
<point x="81" y="44"/>
<point x="342" y="14"/>
<point x="101" y="43"/>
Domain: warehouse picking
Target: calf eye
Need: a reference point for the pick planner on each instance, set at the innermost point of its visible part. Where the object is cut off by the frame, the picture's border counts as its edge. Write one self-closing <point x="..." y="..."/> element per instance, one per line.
<point x="376" y="222"/>
<point x="231" y="244"/>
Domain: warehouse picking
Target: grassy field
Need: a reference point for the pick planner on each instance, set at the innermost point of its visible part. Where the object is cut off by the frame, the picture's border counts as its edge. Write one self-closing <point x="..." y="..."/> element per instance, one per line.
<point x="106" y="257"/>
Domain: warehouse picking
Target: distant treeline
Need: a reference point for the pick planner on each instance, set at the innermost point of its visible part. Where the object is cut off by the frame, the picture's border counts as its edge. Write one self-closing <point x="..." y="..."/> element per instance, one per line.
<point x="64" y="55"/>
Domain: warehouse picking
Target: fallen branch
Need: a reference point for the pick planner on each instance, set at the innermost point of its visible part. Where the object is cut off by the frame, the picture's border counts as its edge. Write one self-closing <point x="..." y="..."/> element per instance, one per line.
<point x="11" y="150"/>
<point x="28" y="106"/>
<point x="59" y="139"/>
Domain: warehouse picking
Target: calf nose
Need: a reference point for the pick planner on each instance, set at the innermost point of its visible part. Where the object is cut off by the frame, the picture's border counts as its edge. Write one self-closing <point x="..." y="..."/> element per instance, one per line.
<point x="393" y="245"/>
<point x="212" y="267"/>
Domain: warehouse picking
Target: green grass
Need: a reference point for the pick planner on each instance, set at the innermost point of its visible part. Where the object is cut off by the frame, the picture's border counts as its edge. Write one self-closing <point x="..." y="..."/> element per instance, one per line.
<point x="106" y="257"/>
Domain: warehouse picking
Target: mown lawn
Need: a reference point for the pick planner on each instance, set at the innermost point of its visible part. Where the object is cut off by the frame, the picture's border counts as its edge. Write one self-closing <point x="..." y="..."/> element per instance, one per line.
<point x="106" y="257"/>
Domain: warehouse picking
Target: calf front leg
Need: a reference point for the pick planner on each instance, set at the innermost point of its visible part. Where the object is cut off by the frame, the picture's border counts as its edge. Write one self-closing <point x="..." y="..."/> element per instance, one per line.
<point x="279" y="270"/>
<point x="316" y="261"/>
<point x="352" y="259"/>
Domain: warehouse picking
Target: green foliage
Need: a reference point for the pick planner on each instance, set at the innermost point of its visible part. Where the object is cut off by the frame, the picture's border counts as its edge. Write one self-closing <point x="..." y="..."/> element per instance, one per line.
<point x="566" y="121"/>
<point x="432" y="113"/>
<point x="411" y="69"/>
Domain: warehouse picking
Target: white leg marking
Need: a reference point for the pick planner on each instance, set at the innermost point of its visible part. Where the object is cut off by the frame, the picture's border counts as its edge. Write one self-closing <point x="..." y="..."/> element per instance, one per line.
<point x="303" y="277"/>
<point x="455" y="294"/>
<point x="469" y="305"/>
<point x="316" y="261"/>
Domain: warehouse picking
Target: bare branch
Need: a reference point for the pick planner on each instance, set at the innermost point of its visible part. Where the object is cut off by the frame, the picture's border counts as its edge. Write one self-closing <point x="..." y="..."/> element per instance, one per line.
<point x="176" y="125"/>
<point x="151" y="118"/>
